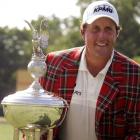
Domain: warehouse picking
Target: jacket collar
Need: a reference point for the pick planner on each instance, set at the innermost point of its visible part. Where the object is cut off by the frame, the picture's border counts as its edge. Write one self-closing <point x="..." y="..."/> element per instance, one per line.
<point x="74" y="58"/>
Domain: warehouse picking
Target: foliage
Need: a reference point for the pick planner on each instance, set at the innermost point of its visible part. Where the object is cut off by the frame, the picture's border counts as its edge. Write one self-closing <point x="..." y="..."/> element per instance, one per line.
<point x="72" y="32"/>
<point x="129" y="41"/>
<point x="14" y="53"/>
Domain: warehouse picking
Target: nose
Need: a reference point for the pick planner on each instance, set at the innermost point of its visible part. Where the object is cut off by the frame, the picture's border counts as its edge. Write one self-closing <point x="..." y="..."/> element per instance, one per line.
<point x="102" y="35"/>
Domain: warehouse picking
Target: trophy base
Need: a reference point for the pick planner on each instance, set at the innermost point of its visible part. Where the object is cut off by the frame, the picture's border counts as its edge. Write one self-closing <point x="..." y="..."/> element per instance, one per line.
<point x="33" y="132"/>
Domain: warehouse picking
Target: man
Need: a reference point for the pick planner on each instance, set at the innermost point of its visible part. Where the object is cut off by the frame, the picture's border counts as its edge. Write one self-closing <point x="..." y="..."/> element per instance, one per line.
<point x="101" y="85"/>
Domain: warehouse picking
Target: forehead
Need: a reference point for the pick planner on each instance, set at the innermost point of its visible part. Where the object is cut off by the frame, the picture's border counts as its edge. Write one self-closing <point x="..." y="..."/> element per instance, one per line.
<point x="104" y="21"/>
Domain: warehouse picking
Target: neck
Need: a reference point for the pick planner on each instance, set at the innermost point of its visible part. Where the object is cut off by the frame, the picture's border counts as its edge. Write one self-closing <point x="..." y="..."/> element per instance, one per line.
<point x="95" y="65"/>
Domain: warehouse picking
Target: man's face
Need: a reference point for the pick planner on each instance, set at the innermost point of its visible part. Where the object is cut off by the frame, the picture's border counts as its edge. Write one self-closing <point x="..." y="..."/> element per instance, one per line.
<point x="100" y="37"/>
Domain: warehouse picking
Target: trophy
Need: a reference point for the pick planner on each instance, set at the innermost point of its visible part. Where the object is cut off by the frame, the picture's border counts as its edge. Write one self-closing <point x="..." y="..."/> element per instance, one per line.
<point x="34" y="111"/>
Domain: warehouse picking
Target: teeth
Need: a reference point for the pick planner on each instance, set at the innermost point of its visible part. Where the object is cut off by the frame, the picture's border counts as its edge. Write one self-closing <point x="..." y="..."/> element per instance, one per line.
<point x="101" y="44"/>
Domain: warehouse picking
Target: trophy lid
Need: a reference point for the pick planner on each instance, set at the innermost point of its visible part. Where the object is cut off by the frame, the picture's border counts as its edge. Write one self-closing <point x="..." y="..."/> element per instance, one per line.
<point x="27" y="97"/>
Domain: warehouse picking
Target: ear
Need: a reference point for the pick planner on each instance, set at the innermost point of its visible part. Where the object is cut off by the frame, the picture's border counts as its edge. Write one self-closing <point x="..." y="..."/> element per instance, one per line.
<point x="118" y="31"/>
<point x="82" y="31"/>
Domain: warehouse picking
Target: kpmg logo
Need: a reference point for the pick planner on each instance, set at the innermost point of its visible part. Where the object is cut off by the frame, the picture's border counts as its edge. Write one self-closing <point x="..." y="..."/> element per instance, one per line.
<point x="103" y="8"/>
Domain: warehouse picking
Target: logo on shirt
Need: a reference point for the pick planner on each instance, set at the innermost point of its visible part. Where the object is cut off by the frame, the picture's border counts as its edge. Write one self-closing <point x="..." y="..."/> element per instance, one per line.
<point x="77" y="92"/>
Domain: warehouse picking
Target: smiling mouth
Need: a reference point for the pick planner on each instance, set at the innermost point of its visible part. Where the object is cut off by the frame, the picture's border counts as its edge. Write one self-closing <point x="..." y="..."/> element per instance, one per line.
<point x="101" y="44"/>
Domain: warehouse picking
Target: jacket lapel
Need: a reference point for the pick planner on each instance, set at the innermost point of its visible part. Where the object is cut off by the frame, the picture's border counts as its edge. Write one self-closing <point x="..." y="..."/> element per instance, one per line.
<point x="70" y="70"/>
<point x="110" y="87"/>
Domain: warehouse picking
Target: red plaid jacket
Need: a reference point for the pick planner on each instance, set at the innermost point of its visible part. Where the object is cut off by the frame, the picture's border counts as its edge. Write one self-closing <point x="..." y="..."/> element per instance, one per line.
<point x="118" y="105"/>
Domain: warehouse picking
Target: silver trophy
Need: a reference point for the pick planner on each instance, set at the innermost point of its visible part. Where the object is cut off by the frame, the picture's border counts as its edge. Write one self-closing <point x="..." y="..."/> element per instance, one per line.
<point x="35" y="111"/>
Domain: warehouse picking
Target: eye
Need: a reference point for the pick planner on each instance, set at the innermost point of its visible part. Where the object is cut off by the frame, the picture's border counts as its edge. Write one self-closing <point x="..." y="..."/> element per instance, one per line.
<point x="95" y="29"/>
<point x="109" y="29"/>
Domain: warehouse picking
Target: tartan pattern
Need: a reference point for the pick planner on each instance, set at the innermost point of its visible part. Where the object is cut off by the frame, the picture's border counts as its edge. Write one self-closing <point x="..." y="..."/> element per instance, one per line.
<point x="118" y="104"/>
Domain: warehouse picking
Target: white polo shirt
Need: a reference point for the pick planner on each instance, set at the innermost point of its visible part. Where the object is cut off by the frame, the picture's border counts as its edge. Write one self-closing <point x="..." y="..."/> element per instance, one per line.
<point x="80" y="120"/>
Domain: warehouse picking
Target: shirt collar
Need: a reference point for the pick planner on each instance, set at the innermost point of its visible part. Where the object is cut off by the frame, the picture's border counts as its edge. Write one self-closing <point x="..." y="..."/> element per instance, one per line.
<point x="83" y="65"/>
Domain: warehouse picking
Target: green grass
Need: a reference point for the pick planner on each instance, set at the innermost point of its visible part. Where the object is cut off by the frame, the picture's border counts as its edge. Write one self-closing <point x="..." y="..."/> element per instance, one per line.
<point x="6" y="131"/>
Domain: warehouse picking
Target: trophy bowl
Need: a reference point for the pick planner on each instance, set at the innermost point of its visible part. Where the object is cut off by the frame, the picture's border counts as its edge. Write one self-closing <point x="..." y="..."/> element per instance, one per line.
<point x="22" y="109"/>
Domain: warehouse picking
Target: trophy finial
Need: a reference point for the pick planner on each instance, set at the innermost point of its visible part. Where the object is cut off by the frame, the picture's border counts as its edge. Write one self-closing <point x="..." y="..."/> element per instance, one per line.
<point x="39" y="38"/>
